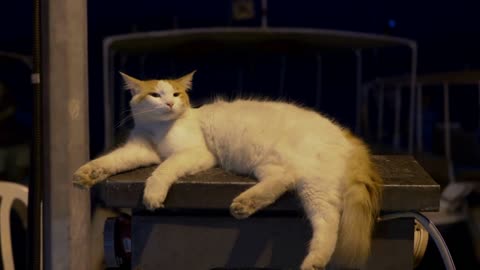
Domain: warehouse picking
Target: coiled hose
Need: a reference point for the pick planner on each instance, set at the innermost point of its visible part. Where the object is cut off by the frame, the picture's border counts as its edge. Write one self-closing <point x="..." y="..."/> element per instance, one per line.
<point x="432" y="230"/>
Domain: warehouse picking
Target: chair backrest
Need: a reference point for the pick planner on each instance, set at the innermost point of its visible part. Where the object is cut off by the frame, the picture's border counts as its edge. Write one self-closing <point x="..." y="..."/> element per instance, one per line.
<point x="9" y="192"/>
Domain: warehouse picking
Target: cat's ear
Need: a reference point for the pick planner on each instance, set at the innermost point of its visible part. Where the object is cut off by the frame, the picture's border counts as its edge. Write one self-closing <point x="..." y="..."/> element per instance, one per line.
<point x="186" y="80"/>
<point x="132" y="84"/>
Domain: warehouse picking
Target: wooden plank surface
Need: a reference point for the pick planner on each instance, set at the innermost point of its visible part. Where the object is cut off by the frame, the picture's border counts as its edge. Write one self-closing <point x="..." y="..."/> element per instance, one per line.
<point x="406" y="187"/>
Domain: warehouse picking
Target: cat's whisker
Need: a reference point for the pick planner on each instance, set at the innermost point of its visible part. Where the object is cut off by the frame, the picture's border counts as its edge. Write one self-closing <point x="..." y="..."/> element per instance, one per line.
<point x="127" y="111"/>
<point x="132" y="115"/>
<point x="123" y="121"/>
<point x="125" y="115"/>
<point x="146" y="111"/>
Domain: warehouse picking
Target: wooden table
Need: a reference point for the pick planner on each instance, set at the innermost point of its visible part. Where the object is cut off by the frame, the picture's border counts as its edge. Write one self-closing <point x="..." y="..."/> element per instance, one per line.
<point x="195" y="230"/>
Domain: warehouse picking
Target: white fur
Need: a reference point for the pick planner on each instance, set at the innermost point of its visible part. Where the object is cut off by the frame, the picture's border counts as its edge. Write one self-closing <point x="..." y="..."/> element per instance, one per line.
<point x="284" y="146"/>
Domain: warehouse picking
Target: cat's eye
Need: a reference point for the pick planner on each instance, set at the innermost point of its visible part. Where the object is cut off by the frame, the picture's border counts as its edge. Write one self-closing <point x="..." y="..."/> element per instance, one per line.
<point x="154" y="94"/>
<point x="176" y="94"/>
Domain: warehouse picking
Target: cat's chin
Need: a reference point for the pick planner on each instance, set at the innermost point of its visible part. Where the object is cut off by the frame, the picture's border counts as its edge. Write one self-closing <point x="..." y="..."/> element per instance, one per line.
<point x="169" y="116"/>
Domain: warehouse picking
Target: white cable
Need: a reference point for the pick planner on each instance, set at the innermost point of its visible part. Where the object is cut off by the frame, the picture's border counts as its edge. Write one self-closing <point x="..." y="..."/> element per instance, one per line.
<point x="432" y="230"/>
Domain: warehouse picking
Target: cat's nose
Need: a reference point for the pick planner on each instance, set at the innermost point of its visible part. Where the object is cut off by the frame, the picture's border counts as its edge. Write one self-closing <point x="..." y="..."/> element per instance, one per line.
<point x="170" y="104"/>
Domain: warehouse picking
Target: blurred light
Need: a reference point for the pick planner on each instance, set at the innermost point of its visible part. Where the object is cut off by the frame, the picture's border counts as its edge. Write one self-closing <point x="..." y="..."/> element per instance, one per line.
<point x="392" y="23"/>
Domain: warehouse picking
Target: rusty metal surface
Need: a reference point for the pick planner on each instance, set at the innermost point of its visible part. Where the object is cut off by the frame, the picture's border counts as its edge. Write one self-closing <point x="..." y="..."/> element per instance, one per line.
<point x="406" y="187"/>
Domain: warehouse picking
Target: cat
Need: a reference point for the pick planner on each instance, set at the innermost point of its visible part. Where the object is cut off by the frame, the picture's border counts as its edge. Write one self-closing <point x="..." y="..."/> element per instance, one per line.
<point x="284" y="146"/>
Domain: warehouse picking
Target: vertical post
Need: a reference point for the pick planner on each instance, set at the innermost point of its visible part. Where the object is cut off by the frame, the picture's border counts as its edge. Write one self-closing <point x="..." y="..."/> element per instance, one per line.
<point x="318" y="92"/>
<point x="64" y="73"/>
<point x="264" y="13"/>
<point x="358" y="116"/>
<point x="419" y="119"/>
<point x="36" y="182"/>
<point x="122" y="94"/>
<point x="398" y="108"/>
<point x="108" y="78"/>
<point x="447" y="142"/>
<point x="366" y="113"/>
<point x="478" y="105"/>
<point x="381" y="93"/>
<point x="413" y="80"/>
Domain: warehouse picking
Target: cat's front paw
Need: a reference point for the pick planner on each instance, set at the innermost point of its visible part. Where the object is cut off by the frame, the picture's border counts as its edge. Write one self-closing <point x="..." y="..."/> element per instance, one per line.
<point x="243" y="207"/>
<point x="154" y="194"/>
<point x="312" y="262"/>
<point x="89" y="174"/>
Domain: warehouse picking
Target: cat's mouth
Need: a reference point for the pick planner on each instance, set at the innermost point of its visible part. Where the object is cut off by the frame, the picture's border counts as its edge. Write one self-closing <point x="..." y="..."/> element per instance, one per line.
<point x="166" y="110"/>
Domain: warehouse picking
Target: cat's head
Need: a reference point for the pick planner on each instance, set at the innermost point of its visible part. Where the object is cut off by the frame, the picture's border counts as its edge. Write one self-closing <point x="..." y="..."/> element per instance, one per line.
<point x="161" y="100"/>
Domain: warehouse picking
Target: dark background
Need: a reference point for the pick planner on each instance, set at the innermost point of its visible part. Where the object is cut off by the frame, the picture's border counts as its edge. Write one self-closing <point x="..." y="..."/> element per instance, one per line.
<point x="447" y="32"/>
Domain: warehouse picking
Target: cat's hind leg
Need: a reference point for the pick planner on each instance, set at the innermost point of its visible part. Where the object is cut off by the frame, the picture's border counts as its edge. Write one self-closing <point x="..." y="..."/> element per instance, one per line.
<point x="274" y="181"/>
<point x="322" y="202"/>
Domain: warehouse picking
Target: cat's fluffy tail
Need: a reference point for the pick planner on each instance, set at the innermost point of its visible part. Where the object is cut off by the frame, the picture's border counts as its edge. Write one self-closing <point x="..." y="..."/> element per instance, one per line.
<point x="361" y="205"/>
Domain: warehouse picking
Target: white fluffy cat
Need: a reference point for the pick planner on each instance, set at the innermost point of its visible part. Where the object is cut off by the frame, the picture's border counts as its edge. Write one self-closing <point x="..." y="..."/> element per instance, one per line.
<point x="284" y="146"/>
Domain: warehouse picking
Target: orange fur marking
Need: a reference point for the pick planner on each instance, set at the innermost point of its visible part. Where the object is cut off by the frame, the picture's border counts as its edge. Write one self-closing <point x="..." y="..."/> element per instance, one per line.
<point x="144" y="88"/>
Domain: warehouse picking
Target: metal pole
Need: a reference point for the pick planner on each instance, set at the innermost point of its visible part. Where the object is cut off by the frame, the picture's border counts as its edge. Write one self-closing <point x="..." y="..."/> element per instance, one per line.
<point x="479" y="104"/>
<point x="398" y="108"/>
<point x="66" y="208"/>
<point x="413" y="79"/>
<point x="109" y="103"/>
<point x="35" y="186"/>
<point x="23" y="58"/>
<point x="107" y="96"/>
<point x="447" y="142"/>
<point x="366" y="115"/>
<point x="122" y="95"/>
<point x="419" y="119"/>
<point x="358" y="116"/>
<point x="264" y="13"/>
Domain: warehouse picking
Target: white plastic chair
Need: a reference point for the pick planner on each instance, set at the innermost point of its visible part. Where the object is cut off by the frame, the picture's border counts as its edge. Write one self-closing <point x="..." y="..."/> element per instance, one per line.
<point x="9" y="192"/>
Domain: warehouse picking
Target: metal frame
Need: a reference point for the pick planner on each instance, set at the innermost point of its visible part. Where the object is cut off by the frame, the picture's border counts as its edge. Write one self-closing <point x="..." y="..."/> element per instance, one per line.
<point x="398" y="108"/>
<point x="419" y="117"/>
<point x="445" y="79"/>
<point x="344" y="39"/>
<point x="399" y="83"/>
<point x="447" y="141"/>
<point x="413" y="81"/>
<point x="381" y="98"/>
<point x="27" y="60"/>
